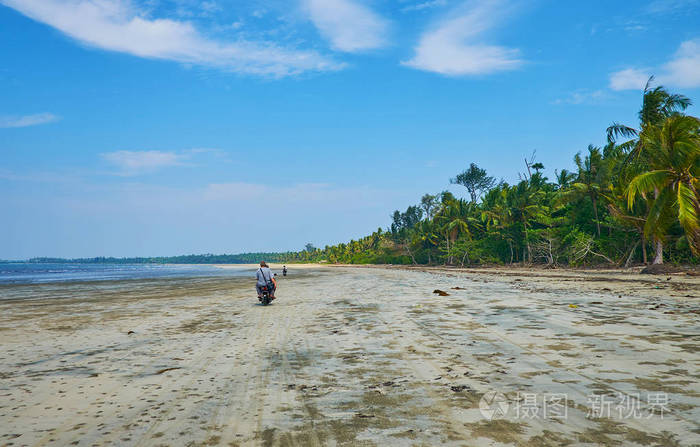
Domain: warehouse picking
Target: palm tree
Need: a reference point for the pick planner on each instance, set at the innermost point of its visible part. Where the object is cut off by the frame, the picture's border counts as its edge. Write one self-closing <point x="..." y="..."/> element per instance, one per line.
<point x="498" y="215"/>
<point x="592" y="178"/>
<point x="564" y="178"/>
<point x="616" y="196"/>
<point x="425" y="237"/>
<point x="657" y="105"/>
<point x="672" y="151"/>
<point x="525" y="201"/>
<point x="457" y="218"/>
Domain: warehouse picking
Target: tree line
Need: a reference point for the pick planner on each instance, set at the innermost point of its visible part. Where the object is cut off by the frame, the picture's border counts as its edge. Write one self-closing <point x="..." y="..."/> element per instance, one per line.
<point x="634" y="200"/>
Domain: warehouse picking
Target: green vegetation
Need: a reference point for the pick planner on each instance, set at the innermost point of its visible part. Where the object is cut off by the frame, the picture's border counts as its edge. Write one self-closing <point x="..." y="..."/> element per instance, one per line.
<point x="638" y="193"/>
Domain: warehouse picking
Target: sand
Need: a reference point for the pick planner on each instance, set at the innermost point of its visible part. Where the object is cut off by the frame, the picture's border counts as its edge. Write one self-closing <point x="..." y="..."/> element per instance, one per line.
<point x="354" y="356"/>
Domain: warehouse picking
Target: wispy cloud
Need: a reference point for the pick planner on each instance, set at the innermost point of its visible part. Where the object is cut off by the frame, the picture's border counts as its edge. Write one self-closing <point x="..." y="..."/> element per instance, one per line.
<point x="347" y="24"/>
<point x="683" y="70"/>
<point x="423" y="5"/>
<point x="669" y="6"/>
<point x="454" y="46"/>
<point x="27" y="120"/>
<point x="117" y="25"/>
<point x="131" y="163"/>
<point x="582" y="97"/>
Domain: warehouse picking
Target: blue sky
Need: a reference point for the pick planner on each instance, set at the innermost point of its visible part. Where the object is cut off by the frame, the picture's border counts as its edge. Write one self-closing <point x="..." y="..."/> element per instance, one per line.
<point x="168" y="127"/>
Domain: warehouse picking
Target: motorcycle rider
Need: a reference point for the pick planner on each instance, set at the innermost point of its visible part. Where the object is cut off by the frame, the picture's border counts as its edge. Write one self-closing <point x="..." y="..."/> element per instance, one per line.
<point x="264" y="275"/>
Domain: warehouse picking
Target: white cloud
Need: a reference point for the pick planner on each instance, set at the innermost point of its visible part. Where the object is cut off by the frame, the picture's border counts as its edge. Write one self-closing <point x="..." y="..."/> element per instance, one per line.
<point x="347" y="24"/>
<point x="683" y="70"/>
<point x="454" y="46"/>
<point x="27" y="120"/>
<point x="117" y="25"/>
<point x="139" y="162"/>
<point x="629" y="79"/>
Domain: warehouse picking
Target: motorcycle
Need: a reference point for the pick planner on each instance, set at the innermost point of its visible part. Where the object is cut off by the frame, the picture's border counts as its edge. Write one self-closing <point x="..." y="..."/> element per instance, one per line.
<point x="266" y="297"/>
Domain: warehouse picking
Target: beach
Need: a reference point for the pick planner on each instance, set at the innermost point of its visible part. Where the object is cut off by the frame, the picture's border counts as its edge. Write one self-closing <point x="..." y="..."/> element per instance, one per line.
<point x="354" y="356"/>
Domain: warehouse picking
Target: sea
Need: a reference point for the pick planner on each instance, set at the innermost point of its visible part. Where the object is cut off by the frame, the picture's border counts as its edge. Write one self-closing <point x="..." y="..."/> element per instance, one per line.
<point x="37" y="273"/>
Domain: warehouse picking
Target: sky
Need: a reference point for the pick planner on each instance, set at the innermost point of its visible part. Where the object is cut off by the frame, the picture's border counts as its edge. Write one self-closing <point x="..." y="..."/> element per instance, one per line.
<point x="165" y="127"/>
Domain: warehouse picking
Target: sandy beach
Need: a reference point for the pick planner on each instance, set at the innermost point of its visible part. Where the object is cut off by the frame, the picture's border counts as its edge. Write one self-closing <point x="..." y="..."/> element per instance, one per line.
<point x="354" y="356"/>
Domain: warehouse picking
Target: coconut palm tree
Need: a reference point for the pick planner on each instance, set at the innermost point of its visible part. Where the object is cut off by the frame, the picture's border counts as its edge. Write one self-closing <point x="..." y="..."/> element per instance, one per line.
<point x="425" y="237"/>
<point x="657" y="105"/>
<point x="457" y="218"/>
<point x="525" y="207"/>
<point x="591" y="180"/>
<point x="672" y="151"/>
<point x="564" y="178"/>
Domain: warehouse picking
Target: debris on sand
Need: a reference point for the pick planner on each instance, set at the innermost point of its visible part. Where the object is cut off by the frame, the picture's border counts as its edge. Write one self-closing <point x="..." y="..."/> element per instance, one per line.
<point x="660" y="269"/>
<point x="460" y="388"/>
<point x="441" y="292"/>
<point x="573" y="306"/>
<point x="167" y="369"/>
<point x="363" y="415"/>
<point x="130" y="332"/>
<point x="377" y="389"/>
<point x="459" y="288"/>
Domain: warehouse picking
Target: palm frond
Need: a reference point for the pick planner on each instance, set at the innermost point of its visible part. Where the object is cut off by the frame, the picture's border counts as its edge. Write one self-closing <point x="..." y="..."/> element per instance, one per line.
<point x="648" y="84"/>
<point x="675" y="103"/>
<point x="617" y="130"/>
<point x="645" y="183"/>
<point x="688" y="212"/>
<point x="627" y="146"/>
<point x="660" y="215"/>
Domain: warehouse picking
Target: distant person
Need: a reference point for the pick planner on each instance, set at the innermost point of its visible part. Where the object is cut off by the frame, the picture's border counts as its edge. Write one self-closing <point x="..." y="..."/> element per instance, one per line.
<point x="265" y="278"/>
<point x="284" y="270"/>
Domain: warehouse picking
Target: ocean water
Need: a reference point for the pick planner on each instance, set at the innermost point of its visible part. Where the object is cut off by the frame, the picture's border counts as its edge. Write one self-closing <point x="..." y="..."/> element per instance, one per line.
<point x="33" y="273"/>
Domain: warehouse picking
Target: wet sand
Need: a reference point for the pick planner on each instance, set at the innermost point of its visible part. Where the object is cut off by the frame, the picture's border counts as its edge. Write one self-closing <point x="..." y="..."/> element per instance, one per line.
<point x="354" y="356"/>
